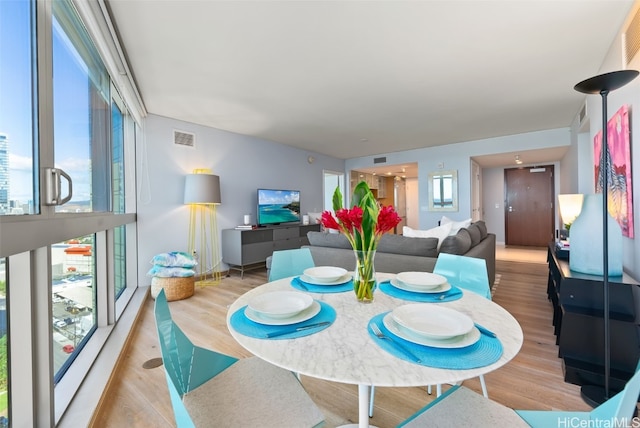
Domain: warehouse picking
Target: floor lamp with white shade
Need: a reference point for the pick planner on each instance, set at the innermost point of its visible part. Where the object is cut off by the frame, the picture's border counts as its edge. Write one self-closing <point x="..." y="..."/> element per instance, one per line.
<point x="603" y="84"/>
<point x="202" y="194"/>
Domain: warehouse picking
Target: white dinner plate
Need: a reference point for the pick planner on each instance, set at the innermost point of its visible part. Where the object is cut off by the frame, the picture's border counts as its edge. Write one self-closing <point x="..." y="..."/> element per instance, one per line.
<point x="402" y="286"/>
<point x="308" y="313"/>
<point x="455" y="342"/>
<point x="432" y="321"/>
<point x="344" y="278"/>
<point x="280" y="304"/>
<point x="421" y="280"/>
<point x="324" y="274"/>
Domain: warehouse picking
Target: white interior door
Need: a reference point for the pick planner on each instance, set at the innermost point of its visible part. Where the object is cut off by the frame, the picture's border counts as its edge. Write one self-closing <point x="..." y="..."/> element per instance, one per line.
<point x="476" y="192"/>
<point x="411" y="195"/>
<point x="332" y="179"/>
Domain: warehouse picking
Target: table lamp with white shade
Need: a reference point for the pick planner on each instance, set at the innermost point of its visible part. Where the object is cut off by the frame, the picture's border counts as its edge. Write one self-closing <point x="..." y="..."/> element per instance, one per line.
<point x="570" y="207"/>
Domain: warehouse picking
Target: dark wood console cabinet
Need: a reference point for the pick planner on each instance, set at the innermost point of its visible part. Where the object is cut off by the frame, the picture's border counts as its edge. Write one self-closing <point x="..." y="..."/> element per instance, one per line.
<point x="243" y="249"/>
<point x="579" y="326"/>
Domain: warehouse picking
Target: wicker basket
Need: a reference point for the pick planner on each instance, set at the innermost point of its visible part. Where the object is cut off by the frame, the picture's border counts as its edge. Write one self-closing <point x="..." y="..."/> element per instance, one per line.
<point x="174" y="288"/>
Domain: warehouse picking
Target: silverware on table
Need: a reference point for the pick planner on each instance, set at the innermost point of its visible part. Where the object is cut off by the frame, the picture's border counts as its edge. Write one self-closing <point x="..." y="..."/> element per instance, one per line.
<point x="448" y="295"/>
<point x="284" y="331"/>
<point x="376" y="330"/>
<point x="301" y="284"/>
<point x="485" y="330"/>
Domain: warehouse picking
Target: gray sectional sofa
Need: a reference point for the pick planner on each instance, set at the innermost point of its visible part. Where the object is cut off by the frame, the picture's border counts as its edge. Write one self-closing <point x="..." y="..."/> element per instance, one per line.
<point x="397" y="253"/>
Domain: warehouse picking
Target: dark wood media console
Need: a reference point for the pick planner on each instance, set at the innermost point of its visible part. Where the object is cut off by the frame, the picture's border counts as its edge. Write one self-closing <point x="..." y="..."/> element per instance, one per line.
<point x="246" y="249"/>
<point x="579" y="325"/>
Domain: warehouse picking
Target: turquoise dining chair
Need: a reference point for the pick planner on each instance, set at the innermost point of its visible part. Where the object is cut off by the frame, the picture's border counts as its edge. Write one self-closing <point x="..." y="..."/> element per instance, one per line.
<point x="467" y="273"/>
<point x="468" y="408"/>
<point x="464" y="272"/>
<point x="286" y="263"/>
<point x="212" y="389"/>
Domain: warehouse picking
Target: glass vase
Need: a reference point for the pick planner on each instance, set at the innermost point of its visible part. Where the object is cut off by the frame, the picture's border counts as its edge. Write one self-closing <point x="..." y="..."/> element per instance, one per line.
<point x="364" y="276"/>
<point x="587" y="242"/>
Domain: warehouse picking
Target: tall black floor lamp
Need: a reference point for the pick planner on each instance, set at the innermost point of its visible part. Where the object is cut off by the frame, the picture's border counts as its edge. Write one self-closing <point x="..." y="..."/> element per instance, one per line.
<point x="603" y="84"/>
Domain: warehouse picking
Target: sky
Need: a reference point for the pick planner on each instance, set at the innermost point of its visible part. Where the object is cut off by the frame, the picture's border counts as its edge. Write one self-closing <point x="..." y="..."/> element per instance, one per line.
<point x="274" y="197"/>
<point x="71" y="137"/>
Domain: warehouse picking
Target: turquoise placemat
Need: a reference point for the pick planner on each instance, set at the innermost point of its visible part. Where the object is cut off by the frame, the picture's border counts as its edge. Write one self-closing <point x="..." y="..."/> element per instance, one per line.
<point x="454" y="293"/>
<point x="244" y="325"/>
<point x="299" y="284"/>
<point x="485" y="351"/>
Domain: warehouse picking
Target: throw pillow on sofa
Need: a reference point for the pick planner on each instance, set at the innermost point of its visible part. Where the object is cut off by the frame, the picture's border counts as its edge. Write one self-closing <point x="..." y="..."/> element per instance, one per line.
<point x="457" y="244"/>
<point x="476" y="234"/>
<point x="483" y="228"/>
<point x="326" y="239"/>
<point x="439" y="232"/>
<point x="397" y="244"/>
<point x="455" y="225"/>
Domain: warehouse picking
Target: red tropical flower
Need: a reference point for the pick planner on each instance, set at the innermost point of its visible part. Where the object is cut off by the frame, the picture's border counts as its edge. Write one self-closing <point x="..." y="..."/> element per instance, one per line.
<point x="363" y="225"/>
<point x="388" y="218"/>
<point x="329" y="221"/>
<point x="365" y="222"/>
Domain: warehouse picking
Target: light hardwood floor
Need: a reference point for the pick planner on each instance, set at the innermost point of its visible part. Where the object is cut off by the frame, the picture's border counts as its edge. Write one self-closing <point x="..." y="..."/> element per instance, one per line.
<point x="138" y="397"/>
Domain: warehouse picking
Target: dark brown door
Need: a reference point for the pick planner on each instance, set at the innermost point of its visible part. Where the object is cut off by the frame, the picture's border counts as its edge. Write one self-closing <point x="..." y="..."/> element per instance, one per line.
<point x="529" y="206"/>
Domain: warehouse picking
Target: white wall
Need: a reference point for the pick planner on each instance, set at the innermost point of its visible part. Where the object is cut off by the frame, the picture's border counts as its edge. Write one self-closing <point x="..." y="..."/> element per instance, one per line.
<point x="568" y="171"/>
<point x="630" y="95"/>
<point x="493" y="201"/>
<point x="457" y="156"/>
<point x="243" y="163"/>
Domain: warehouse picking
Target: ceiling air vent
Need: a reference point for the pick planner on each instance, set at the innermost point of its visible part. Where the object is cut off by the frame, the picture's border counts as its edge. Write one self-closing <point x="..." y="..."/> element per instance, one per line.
<point x="632" y="38"/>
<point x="380" y="160"/>
<point x="184" y="138"/>
<point x="582" y="115"/>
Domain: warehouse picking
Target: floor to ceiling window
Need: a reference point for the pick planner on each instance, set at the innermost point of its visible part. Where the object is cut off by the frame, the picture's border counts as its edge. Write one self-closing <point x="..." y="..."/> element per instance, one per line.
<point x="67" y="207"/>
<point x="4" y="351"/>
<point x="17" y="108"/>
<point x="73" y="299"/>
<point x="17" y="138"/>
<point x="81" y="113"/>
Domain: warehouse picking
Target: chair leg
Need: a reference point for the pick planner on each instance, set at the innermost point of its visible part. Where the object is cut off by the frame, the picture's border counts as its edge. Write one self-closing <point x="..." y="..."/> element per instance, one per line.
<point x="371" y="397"/>
<point x="438" y="390"/>
<point x="484" y="387"/>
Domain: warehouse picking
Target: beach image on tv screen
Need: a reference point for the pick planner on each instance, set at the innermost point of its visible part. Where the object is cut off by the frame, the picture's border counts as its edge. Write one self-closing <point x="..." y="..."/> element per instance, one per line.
<point x="278" y="206"/>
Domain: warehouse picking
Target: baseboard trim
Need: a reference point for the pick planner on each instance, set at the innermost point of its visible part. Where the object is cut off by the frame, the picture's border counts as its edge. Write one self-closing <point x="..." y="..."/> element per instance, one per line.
<point x="89" y="398"/>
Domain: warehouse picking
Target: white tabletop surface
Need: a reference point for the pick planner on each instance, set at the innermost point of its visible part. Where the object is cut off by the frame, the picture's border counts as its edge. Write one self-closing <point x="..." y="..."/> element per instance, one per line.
<point x="344" y="352"/>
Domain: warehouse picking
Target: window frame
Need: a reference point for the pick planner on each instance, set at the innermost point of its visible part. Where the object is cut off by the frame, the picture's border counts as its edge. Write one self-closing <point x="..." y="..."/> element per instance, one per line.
<point x="26" y="241"/>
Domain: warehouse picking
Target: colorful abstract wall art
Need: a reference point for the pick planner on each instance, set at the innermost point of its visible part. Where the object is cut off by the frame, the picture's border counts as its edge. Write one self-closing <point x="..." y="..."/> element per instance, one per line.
<point x="617" y="168"/>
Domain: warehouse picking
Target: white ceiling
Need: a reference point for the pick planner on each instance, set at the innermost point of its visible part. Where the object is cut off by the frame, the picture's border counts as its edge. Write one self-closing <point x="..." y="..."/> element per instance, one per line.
<point x="359" y="78"/>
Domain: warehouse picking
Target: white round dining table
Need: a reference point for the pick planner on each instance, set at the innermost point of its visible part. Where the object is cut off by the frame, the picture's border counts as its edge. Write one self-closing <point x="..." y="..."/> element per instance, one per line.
<point x="345" y="352"/>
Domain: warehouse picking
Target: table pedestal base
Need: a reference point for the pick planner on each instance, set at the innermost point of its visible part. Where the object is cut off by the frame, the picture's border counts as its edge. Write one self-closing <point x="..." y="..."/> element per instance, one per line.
<point x="363" y="409"/>
<point x="357" y="426"/>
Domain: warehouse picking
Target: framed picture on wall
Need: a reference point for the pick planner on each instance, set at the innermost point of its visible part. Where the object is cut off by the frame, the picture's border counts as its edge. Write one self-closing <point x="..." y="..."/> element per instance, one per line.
<point x="617" y="168"/>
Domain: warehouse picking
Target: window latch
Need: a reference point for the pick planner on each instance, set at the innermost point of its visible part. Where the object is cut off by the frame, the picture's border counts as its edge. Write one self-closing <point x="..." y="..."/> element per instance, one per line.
<point x="53" y="186"/>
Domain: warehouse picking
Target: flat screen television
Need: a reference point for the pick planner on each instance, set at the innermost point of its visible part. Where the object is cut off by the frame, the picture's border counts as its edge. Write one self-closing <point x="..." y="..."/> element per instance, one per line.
<point x="278" y="206"/>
